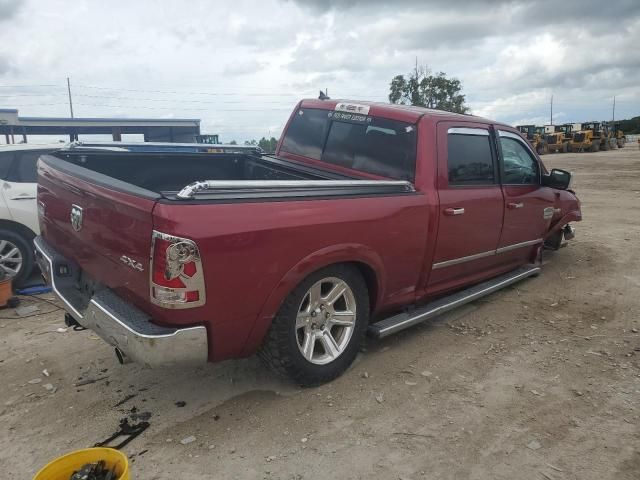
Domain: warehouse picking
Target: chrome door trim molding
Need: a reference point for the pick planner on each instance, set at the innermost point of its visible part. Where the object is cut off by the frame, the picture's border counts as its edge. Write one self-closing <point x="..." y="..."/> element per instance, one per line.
<point x="518" y="245"/>
<point x="469" y="131"/>
<point x="477" y="256"/>
<point x="456" y="261"/>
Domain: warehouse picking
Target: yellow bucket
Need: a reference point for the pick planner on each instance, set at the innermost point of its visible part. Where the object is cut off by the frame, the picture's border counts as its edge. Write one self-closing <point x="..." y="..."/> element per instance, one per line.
<point x="63" y="467"/>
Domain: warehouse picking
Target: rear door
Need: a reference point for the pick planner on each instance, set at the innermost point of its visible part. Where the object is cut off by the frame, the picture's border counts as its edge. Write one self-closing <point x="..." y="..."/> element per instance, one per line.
<point x="529" y="206"/>
<point x="471" y="205"/>
<point x="20" y="185"/>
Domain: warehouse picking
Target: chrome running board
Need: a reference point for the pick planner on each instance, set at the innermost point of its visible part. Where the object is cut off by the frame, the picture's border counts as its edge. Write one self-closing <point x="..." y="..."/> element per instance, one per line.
<point x="398" y="322"/>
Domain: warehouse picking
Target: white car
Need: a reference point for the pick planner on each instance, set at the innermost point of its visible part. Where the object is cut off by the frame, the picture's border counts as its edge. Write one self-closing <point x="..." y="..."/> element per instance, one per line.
<point x="18" y="207"/>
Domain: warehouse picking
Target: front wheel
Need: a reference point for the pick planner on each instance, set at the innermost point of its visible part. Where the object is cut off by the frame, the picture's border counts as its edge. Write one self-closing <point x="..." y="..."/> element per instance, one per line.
<point x="316" y="334"/>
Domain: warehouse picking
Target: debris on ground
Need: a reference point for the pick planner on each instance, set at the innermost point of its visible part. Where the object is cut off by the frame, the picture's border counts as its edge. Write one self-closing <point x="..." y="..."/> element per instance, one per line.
<point x="534" y="445"/>
<point x="89" y="381"/>
<point x="126" y="429"/>
<point x="125" y="399"/>
<point x="188" y="440"/>
<point x="27" y="310"/>
<point x="180" y="403"/>
<point x="380" y="398"/>
<point x="61" y="330"/>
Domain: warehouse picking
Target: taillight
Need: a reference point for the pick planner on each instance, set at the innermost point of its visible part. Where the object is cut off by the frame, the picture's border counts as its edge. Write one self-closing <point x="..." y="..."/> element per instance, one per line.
<point x="177" y="280"/>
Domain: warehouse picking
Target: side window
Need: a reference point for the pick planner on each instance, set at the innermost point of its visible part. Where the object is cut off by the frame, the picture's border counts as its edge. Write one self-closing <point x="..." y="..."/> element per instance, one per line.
<point x="6" y="159"/>
<point x="519" y="166"/>
<point x="469" y="157"/>
<point x="24" y="168"/>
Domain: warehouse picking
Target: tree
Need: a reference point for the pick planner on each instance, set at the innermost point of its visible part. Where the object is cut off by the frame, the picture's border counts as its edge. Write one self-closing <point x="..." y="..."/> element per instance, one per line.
<point x="423" y="89"/>
<point x="268" y="145"/>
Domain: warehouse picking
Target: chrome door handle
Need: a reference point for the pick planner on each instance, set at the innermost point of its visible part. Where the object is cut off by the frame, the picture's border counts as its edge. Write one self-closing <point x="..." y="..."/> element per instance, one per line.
<point x="513" y="205"/>
<point x="453" y="211"/>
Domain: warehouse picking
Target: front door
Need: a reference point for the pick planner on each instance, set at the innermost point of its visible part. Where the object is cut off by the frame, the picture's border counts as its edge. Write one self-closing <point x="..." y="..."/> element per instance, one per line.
<point x="528" y="205"/>
<point x="471" y="205"/>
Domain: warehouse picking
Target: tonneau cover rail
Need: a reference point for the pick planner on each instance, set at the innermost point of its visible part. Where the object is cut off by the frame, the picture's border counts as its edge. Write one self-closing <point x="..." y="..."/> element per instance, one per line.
<point x="194" y="188"/>
<point x="161" y="147"/>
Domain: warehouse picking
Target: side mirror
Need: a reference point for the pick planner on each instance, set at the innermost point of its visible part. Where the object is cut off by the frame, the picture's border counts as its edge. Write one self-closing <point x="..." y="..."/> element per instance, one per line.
<point x="557" y="178"/>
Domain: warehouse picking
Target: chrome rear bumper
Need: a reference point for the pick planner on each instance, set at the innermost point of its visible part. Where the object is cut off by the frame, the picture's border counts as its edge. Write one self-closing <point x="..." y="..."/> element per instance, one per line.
<point x="117" y="322"/>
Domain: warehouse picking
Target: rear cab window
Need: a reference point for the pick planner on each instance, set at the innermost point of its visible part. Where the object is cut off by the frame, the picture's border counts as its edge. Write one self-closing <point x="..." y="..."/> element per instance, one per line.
<point x="369" y="144"/>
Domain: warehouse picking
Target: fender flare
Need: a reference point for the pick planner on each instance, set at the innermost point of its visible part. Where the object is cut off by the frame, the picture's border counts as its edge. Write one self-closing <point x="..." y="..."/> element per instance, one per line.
<point x="341" y="253"/>
<point x="572" y="216"/>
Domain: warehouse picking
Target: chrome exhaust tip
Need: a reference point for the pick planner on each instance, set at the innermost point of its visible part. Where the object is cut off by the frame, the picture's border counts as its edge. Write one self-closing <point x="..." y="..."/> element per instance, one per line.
<point x="122" y="358"/>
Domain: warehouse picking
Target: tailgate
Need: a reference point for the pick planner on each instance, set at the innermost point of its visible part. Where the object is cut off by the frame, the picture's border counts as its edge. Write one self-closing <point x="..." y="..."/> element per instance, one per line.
<point x="94" y="221"/>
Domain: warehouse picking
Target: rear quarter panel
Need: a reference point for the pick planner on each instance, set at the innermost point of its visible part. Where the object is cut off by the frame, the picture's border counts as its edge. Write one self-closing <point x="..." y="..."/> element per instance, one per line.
<point x="254" y="254"/>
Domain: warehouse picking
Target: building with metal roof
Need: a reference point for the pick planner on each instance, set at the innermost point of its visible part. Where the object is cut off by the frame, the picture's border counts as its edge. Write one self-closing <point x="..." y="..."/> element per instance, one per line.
<point x="16" y="129"/>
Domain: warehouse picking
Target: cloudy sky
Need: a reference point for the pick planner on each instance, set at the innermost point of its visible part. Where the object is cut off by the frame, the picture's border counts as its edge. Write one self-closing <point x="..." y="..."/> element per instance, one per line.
<point x="241" y="66"/>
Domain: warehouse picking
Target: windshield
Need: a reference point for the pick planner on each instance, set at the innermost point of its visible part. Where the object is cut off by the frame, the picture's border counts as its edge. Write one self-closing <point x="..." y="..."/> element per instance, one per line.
<point x="369" y="144"/>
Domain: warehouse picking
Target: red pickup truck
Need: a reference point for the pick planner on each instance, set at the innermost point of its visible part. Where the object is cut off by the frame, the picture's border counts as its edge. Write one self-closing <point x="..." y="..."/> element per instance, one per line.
<point x="369" y="217"/>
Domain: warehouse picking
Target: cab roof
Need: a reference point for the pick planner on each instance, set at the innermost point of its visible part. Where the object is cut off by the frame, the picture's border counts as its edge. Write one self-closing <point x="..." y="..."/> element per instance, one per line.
<point x="404" y="113"/>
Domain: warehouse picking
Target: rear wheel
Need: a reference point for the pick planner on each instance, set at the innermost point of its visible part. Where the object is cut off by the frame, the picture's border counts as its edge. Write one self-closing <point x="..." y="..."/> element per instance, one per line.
<point x="16" y="256"/>
<point x="316" y="334"/>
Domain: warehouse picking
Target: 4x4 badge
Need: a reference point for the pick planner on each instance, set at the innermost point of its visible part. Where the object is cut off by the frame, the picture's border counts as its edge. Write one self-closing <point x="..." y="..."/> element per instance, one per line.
<point x="76" y="217"/>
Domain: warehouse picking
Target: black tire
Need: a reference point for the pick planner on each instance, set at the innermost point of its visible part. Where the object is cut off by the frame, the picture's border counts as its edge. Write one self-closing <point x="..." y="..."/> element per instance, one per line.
<point x="554" y="242"/>
<point x="280" y="350"/>
<point x="25" y="246"/>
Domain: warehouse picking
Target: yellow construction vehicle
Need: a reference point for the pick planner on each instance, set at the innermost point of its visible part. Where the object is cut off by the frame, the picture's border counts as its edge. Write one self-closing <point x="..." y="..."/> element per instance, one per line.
<point x="558" y="140"/>
<point x="535" y="136"/>
<point x="585" y="137"/>
<point x="618" y="135"/>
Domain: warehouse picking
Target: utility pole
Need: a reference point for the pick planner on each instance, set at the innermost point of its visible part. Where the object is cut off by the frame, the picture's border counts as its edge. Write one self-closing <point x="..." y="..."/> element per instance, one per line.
<point x="70" y="102"/>
<point x="551" y="117"/>
<point x="613" y="114"/>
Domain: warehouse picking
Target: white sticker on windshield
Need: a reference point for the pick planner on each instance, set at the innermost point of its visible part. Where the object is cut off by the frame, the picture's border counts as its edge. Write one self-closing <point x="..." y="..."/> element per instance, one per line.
<point x="352" y="108"/>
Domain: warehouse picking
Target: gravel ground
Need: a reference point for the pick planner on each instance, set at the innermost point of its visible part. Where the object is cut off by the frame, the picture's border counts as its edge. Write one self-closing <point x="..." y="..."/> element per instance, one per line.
<point x="541" y="380"/>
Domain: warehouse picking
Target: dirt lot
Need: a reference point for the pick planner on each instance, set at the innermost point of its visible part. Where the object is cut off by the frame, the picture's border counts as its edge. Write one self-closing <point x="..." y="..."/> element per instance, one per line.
<point x="540" y="381"/>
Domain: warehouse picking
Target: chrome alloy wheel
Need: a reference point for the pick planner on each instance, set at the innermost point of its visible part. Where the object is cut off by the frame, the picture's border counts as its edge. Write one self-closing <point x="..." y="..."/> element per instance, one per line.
<point x="10" y="258"/>
<point x="325" y="321"/>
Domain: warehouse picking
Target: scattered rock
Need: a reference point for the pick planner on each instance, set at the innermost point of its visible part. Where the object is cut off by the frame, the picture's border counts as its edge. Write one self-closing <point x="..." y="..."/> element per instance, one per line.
<point x="304" y="440"/>
<point x="180" y="403"/>
<point x="534" y="445"/>
<point x="380" y="398"/>
<point x="49" y="387"/>
<point x="233" y="450"/>
<point x="34" y="381"/>
<point x="61" y="330"/>
<point x="426" y="373"/>
<point x="535" y="392"/>
<point x="270" y="458"/>
<point x="188" y="440"/>
<point x="365" y="374"/>
<point x="634" y="330"/>
<point x="411" y="384"/>
<point x="45" y="372"/>
<point x="27" y="310"/>
<point x="211" y="447"/>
